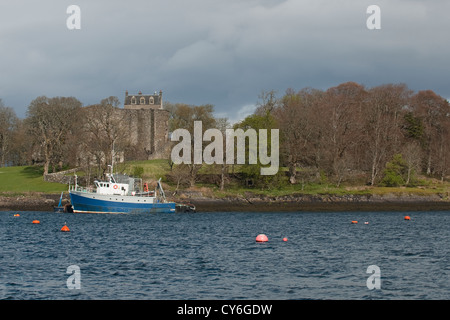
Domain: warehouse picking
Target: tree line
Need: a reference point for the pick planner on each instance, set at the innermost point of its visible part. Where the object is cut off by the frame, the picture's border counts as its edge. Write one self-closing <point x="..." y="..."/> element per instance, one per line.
<point x="385" y="135"/>
<point x="349" y="131"/>
<point x="59" y="133"/>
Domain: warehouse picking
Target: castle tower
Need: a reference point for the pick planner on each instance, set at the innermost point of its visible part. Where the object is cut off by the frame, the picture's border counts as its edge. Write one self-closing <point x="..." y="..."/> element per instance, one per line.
<point x="143" y="101"/>
<point x="148" y="124"/>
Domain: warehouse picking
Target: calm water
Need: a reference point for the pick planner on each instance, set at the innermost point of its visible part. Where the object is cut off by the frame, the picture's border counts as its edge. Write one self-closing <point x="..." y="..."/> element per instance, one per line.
<point x="215" y="256"/>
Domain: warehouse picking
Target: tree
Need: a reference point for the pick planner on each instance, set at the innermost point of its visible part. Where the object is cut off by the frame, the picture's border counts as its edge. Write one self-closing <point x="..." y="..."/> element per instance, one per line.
<point x="341" y="126"/>
<point x="413" y="127"/>
<point x="252" y="172"/>
<point x="50" y="122"/>
<point x="267" y="102"/>
<point x="434" y="114"/>
<point x="395" y="172"/>
<point x="382" y="114"/>
<point x="21" y="148"/>
<point x="183" y="116"/>
<point x="222" y="125"/>
<point x="8" y="125"/>
<point x="412" y="156"/>
<point x="105" y="132"/>
<point x="298" y="128"/>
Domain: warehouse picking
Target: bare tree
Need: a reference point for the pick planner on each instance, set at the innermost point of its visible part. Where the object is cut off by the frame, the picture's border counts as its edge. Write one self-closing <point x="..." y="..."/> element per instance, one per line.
<point x="8" y="126"/>
<point x="105" y="132"/>
<point x="267" y="102"/>
<point x="342" y="127"/>
<point x="298" y="127"/>
<point x="383" y="135"/>
<point x="222" y="125"/>
<point x="412" y="155"/>
<point x="21" y="147"/>
<point x="50" y="121"/>
<point x="434" y="111"/>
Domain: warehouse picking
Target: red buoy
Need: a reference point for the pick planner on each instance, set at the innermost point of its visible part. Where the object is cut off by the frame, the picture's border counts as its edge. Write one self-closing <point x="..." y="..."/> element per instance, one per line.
<point x="407" y="218"/>
<point x="285" y="239"/>
<point x="262" y="238"/>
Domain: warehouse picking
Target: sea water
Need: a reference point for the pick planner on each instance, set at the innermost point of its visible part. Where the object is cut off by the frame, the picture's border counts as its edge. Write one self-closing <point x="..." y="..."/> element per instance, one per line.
<point x="215" y="256"/>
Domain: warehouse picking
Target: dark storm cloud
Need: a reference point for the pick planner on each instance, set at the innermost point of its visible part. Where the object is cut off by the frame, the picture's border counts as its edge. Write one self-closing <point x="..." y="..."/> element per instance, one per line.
<point x="219" y="52"/>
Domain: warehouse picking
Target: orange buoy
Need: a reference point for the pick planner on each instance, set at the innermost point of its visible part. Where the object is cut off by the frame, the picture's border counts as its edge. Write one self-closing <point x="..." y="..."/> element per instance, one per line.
<point x="262" y="238"/>
<point x="285" y="239"/>
<point x="65" y="229"/>
<point x="354" y="222"/>
<point x="407" y="218"/>
<point x="36" y="221"/>
<point x="17" y="215"/>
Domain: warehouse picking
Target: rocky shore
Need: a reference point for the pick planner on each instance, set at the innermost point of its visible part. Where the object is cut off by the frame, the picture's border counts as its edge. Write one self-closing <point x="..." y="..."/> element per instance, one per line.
<point x="324" y="203"/>
<point x="249" y="202"/>
<point x="30" y="202"/>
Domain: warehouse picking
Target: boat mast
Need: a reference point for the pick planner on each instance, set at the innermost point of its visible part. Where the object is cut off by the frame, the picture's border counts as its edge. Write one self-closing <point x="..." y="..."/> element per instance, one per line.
<point x="161" y="191"/>
<point x="111" y="178"/>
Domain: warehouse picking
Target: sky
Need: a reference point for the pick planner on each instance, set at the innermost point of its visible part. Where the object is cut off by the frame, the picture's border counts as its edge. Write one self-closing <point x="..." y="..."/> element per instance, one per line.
<point x="220" y="52"/>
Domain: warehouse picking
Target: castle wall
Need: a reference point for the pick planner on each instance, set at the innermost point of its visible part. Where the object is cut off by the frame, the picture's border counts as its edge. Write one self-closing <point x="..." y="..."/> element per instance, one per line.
<point x="148" y="132"/>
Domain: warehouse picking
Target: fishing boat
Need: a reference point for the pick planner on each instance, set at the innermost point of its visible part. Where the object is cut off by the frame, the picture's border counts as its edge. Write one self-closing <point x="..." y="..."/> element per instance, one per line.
<point x="119" y="194"/>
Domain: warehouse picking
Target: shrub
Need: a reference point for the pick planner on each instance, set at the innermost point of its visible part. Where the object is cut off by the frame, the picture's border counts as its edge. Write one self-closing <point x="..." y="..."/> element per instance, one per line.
<point x="396" y="172"/>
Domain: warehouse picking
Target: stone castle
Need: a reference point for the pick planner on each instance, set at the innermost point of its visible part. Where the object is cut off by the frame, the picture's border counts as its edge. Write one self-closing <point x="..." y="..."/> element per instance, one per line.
<point x="147" y="124"/>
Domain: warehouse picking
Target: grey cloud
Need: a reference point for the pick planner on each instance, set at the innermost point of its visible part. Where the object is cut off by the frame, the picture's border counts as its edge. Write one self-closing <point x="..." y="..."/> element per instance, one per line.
<point x="218" y="52"/>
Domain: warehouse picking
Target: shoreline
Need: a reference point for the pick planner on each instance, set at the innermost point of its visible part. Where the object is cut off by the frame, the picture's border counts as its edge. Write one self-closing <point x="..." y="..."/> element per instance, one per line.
<point x="292" y="203"/>
<point x="338" y="206"/>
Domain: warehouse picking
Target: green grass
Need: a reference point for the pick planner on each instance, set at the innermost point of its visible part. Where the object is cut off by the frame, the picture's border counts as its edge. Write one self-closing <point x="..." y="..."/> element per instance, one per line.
<point x="153" y="169"/>
<point x="19" y="180"/>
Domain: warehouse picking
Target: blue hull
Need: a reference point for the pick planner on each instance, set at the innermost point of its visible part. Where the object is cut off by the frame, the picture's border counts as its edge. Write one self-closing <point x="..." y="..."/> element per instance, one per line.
<point x="87" y="203"/>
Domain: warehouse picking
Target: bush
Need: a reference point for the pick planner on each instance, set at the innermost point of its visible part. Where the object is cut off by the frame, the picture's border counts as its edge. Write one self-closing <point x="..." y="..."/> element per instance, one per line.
<point x="396" y="172"/>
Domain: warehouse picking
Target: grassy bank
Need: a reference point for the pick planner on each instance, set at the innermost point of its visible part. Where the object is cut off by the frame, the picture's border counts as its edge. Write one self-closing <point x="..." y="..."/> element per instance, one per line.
<point x="28" y="179"/>
<point x="22" y="180"/>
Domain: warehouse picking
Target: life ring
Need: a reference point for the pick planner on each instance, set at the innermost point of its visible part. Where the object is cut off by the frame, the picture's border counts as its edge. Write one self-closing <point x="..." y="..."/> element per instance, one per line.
<point x="145" y="187"/>
<point x="115" y="186"/>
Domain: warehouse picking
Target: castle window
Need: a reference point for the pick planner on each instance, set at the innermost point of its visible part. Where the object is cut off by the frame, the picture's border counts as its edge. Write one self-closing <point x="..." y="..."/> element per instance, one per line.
<point x="142" y="100"/>
<point x="151" y="100"/>
<point x="133" y="100"/>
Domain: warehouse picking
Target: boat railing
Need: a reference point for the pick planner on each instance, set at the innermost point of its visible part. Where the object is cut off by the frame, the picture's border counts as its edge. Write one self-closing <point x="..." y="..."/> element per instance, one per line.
<point x="81" y="189"/>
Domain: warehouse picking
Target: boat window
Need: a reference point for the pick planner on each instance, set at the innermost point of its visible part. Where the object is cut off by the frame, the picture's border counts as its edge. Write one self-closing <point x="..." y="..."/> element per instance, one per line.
<point x="142" y="100"/>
